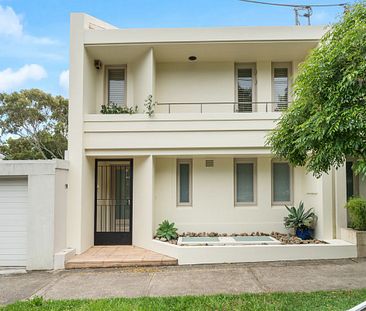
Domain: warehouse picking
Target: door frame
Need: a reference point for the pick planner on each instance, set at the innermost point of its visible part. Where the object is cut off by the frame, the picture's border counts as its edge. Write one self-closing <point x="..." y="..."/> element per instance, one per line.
<point x="111" y="238"/>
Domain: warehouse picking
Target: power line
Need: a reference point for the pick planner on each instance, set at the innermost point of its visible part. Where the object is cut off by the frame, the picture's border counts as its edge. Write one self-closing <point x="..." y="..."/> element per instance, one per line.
<point x="295" y="5"/>
<point x="301" y="10"/>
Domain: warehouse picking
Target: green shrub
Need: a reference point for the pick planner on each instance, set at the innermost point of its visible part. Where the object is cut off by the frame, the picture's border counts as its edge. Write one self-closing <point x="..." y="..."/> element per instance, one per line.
<point x="113" y="108"/>
<point x="167" y="231"/>
<point x="357" y="213"/>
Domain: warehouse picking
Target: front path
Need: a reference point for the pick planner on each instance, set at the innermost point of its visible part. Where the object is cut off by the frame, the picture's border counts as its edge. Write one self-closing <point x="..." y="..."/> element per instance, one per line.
<point x="186" y="280"/>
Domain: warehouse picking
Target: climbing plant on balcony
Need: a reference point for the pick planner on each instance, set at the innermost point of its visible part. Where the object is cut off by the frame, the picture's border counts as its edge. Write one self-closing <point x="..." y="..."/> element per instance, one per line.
<point x="149" y="105"/>
<point x="327" y="120"/>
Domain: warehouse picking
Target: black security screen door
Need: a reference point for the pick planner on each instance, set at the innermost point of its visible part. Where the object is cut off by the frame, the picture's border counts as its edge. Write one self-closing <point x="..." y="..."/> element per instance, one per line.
<point x="113" y="202"/>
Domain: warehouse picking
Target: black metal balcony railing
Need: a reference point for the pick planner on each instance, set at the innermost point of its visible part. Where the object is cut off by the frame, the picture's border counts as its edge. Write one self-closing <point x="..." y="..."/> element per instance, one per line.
<point x="237" y="107"/>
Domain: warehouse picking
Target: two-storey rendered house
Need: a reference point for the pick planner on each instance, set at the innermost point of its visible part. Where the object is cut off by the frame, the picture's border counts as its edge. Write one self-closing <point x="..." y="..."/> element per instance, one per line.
<point x="200" y="160"/>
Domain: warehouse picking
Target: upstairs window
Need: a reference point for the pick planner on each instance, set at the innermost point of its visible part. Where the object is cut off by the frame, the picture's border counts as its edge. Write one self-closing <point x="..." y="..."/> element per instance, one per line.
<point x="281" y="85"/>
<point x="245" y="87"/>
<point x="116" y="80"/>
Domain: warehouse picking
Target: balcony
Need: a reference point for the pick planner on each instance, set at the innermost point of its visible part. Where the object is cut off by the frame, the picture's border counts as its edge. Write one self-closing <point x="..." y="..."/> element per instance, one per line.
<point x="187" y="132"/>
<point x="221" y="107"/>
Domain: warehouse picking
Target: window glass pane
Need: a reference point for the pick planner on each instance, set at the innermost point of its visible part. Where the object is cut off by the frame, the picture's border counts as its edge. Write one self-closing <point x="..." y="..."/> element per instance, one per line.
<point x="184" y="180"/>
<point x="349" y="180"/>
<point x="116" y="86"/>
<point x="281" y="182"/>
<point x="245" y="89"/>
<point x="244" y="182"/>
<point x="281" y="84"/>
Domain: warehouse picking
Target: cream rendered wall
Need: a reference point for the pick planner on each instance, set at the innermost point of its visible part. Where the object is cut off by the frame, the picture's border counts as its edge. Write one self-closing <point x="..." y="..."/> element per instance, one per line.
<point x="100" y="84"/>
<point x="195" y="83"/>
<point x="340" y="192"/>
<point x="143" y="189"/>
<point x="143" y="76"/>
<point x="140" y="76"/>
<point x="75" y="143"/>
<point x="61" y="189"/>
<point x="46" y="208"/>
<point x="87" y="211"/>
<point x="213" y="198"/>
<point x="90" y="81"/>
<point x="264" y="83"/>
<point x="210" y="82"/>
<point x="83" y="93"/>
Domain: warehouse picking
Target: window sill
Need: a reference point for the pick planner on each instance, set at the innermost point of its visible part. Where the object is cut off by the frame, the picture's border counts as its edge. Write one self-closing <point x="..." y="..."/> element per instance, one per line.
<point x="246" y="206"/>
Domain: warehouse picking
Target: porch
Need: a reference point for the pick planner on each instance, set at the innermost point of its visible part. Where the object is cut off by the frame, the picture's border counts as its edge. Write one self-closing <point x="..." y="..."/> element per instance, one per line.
<point x="116" y="256"/>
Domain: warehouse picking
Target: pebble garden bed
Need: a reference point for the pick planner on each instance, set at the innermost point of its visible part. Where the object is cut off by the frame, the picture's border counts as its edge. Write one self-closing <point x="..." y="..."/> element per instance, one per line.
<point x="282" y="237"/>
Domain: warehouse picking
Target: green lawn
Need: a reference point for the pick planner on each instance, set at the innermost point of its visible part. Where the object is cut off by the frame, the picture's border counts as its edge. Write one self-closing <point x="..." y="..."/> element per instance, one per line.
<point x="335" y="300"/>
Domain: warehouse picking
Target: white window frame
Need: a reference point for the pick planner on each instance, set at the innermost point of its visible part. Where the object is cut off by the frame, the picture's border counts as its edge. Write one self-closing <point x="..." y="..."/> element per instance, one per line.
<point x="277" y="203"/>
<point x="190" y="162"/>
<point x="252" y="66"/>
<point x="106" y="85"/>
<point x="287" y="65"/>
<point x="246" y="161"/>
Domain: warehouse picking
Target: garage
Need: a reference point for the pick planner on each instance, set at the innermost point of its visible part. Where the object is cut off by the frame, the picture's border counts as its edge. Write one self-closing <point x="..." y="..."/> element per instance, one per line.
<point x="13" y="221"/>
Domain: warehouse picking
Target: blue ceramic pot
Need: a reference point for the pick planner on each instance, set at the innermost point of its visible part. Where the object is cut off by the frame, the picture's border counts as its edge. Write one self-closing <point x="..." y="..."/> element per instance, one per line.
<point x="304" y="233"/>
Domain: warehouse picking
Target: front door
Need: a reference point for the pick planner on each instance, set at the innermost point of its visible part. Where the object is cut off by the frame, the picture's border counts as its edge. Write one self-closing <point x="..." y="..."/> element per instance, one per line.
<point x="113" y="202"/>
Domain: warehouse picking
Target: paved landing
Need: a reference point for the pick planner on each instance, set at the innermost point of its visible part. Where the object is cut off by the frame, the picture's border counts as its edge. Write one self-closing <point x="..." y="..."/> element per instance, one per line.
<point x="118" y="256"/>
<point x="186" y="280"/>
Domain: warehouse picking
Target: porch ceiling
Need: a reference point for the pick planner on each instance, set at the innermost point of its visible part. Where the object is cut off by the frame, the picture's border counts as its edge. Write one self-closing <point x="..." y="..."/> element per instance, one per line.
<point x="208" y="52"/>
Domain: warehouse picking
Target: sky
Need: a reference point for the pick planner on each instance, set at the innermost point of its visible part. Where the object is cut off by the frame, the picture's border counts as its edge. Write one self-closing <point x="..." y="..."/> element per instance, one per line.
<point x="34" y="34"/>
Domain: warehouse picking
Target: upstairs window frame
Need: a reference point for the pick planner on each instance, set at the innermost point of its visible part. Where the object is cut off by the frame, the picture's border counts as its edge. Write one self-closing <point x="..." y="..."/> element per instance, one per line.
<point x="253" y="67"/>
<point x="279" y="65"/>
<point x="106" y="83"/>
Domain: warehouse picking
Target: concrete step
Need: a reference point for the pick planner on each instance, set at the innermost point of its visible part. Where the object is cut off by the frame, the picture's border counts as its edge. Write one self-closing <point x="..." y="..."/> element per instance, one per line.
<point x="73" y="264"/>
<point x="118" y="256"/>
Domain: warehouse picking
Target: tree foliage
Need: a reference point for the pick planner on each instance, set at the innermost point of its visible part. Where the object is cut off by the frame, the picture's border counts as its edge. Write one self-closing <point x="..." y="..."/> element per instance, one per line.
<point x="33" y="125"/>
<point x="327" y="120"/>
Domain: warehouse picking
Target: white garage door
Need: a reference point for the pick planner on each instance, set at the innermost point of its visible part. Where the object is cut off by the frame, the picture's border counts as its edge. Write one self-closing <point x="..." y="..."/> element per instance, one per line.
<point x="13" y="222"/>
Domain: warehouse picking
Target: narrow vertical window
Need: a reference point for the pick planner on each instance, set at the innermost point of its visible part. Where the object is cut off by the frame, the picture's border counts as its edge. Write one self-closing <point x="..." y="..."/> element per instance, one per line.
<point x="244" y="182"/>
<point x="245" y="88"/>
<point x="281" y="86"/>
<point x="184" y="181"/>
<point x="116" y="86"/>
<point x="281" y="182"/>
<point x="352" y="185"/>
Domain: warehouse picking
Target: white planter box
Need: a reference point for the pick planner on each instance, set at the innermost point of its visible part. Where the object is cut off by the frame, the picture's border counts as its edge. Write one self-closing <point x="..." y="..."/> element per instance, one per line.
<point x="188" y="255"/>
<point x="355" y="237"/>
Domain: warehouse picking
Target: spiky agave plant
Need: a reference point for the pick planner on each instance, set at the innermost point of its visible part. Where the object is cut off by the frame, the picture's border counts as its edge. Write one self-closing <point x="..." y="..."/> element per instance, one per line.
<point x="167" y="230"/>
<point x="298" y="218"/>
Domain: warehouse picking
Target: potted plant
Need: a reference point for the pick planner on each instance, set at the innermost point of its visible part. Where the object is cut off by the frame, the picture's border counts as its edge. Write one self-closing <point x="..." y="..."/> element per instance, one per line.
<point x="356" y="234"/>
<point x="301" y="221"/>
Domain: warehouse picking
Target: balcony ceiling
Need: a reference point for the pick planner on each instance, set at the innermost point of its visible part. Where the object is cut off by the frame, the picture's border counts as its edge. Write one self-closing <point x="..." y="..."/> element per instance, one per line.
<point x="237" y="52"/>
<point x="208" y="52"/>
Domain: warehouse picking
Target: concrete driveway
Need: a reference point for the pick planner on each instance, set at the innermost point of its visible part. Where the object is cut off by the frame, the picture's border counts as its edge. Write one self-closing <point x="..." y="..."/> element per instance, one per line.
<point x="186" y="280"/>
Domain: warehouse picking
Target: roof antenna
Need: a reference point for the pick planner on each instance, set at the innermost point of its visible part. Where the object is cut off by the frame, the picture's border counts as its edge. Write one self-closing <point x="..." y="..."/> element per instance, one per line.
<point x="307" y="14"/>
<point x="300" y="10"/>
